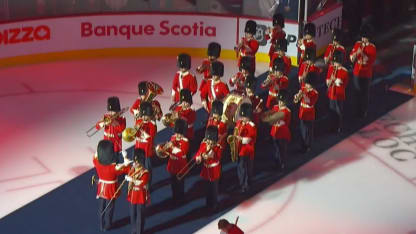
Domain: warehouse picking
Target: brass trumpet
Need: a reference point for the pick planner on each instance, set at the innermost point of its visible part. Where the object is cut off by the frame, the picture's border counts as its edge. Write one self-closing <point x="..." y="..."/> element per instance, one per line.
<point x="298" y="96"/>
<point x="162" y="149"/>
<point x="129" y="134"/>
<point x="107" y="121"/>
<point x="170" y="118"/>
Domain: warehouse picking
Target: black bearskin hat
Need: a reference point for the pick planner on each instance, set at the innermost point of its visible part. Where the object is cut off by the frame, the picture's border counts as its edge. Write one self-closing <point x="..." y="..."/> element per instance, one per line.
<point x="105" y="152"/>
<point x="282" y="96"/>
<point x="246" y="110"/>
<point x="279" y="65"/>
<point x="336" y="34"/>
<point x="338" y="56"/>
<point x="184" y="61"/>
<point x="214" y="49"/>
<point x="251" y="26"/>
<point x="246" y="63"/>
<point x="366" y="31"/>
<point x="250" y="83"/>
<point x="186" y="96"/>
<point x="310" y="29"/>
<point x="217" y="107"/>
<point x="281" y="45"/>
<point x="180" y="126"/>
<point x="311" y="77"/>
<point x="113" y="104"/>
<point x="211" y="133"/>
<point x="278" y="19"/>
<point x="139" y="155"/>
<point x="146" y="109"/>
<point x="142" y="88"/>
<point x="310" y="54"/>
<point x="217" y="69"/>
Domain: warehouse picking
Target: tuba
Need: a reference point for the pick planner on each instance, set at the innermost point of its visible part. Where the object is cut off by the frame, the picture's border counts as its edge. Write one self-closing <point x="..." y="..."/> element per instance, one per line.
<point x="153" y="90"/>
<point x="231" y="108"/>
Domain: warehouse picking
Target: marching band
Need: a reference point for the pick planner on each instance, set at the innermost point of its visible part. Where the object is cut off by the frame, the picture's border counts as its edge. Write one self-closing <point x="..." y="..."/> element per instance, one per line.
<point x="240" y="110"/>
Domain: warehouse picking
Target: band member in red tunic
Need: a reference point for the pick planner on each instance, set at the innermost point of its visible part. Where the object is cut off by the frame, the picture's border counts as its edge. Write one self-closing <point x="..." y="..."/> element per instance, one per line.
<point x="275" y="81"/>
<point x="308" y="66"/>
<point x="307" y="41"/>
<point x="176" y="149"/>
<point x="143" y="95"/>
<point x="280" y="52"/>
<point x="280" y="131"/>
<point x="114" y="128"/>
<point x="363" y="55"/>
<point x="248" y="45"/>
<point x="214" y="89"/>
<point x="228" y="228"/>
<point x="238" y="79"/>
<point x="183" y="79"/>
<point x="216" y="121"/>
<point x="307" y="96"/>
<point x="337" y="81"/>
<point x="146" y="132"/>
<point x="246" y="140"/>
<point x="334" y="46"/>
<point x="209" y="154"/>
<point x="105" y="164"/>
<point x="137" y="193"/>
<point x="184" y="111"/>
<point x="256" y="101"/>
<point x="214" y="52"/>
<point x="276" y="33"/>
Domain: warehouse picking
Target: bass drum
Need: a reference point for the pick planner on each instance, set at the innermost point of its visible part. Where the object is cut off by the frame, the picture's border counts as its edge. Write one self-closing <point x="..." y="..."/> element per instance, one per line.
<point x="231" y="108"/>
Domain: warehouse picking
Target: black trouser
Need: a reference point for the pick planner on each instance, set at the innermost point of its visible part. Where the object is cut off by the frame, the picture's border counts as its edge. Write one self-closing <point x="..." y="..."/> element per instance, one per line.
<point x="106" y="218"/>
<point x="362" y="92"/>
<point x="148" y="166"/>
<point x="336" y="111"/>
<point x="306" y="132"/>
<point x="280" y="146"/>
<point x="178" y="188"/>
<point x="245" y="171"/>
<point x="211" y="193"/>
<point x="136" y="218"/>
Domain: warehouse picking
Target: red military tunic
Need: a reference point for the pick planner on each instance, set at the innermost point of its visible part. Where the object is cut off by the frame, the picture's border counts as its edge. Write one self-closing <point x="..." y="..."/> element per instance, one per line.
<point x="177" y="159"/>
<point x="253" y="44"/>
<point x="329" y="52"/>
<point x="214" y="90"/>
<point x="189" y="115"/>
<point x="306" y="68"/>
<point x="336" y="90"/>
<point x="234" y="229"/>
<point x="113" y="133"/>
<point x="238" y="81"/>
<point x="286" y="60"/>
<point x="248" y="132"/>
<point x="281" y="130"/>
<point x="137" y="193"/>
<point x="302" y="48"/>
<point x="145" y="136"/>
<point x="307" y="104"/>
<point x="275" y="35"/>
<point x="363" y="68"/>
<point x="256" y="102"/>
<point x="221" y="125"/>
<point x="107" y="183"/>
<point x="135" y="108"/>
<point x="211" y="167"/>
<point x="183" y="80"/>
<point x="277" y="83"/>
<point x="205" y="69"/>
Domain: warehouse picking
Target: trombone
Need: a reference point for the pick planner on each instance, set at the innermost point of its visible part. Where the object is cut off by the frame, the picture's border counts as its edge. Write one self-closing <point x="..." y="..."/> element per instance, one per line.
<point x="186" y="169"/>
<point x="107" y="120"/>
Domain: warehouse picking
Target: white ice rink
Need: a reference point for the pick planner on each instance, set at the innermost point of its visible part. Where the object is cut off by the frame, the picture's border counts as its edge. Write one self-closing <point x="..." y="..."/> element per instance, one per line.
<point x="365" y="184"/>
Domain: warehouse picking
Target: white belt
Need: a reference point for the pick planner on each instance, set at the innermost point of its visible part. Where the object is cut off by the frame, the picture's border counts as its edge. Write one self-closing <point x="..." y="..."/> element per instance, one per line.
<point x="136" y="188"/>
<point x="280" y="123"/>
<point x="245" y="55"/>
<point x="272" y="94"/>
<point x="107" y="181"/>
<point x="108" y="134"/>
<point x="212" y="165"/>
<point x="190" y="125"/>
<point x="304" y="105"/>
<point x="141" y="140"/>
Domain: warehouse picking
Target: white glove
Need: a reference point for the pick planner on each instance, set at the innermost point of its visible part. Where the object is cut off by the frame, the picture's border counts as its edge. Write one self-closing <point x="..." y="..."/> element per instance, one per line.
<point x="126" y="161"/>
<point x="101" y="124"/>
<point x="338" y="82"/>
<point x="124" y="153"/>
<point x="138" y="182"/>
<point x="128" y="178"/>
